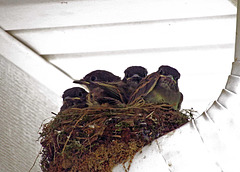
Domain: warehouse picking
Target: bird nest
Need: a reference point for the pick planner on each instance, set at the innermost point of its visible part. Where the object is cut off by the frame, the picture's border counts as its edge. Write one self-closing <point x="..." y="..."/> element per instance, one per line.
<point x="98" y="138"/>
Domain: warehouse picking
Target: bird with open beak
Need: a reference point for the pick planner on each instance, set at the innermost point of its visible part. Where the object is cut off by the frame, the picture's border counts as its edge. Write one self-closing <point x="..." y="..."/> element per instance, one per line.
<point x="159" y="87"/>
<point x="98" y="95"/>
<point x="74" y="97"/>
<point x="97" y="76"/>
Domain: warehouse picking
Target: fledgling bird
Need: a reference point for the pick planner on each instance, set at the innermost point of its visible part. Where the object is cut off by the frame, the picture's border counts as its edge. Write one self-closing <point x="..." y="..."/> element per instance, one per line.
<point x="97" y="93"/>
<point x="74" y="97"/>
<point x="132" y="78"/>
<point x="97" y="76"/>
<point x="121" y="90"/>
<point x="159" y="87"/>
<point x="135" y="74"/>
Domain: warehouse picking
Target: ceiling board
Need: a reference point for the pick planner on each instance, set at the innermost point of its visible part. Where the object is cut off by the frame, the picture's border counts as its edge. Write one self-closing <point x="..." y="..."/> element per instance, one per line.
<point x="26" y="14"/>
<point x="131" y="36"/>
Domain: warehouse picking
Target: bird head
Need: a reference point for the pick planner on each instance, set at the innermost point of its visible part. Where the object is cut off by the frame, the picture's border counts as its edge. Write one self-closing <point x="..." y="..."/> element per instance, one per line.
<point x="169" y="72"/>
<point x="101" y="76"/>
<point x="74" y="92"/>
<point x="135" y="74"/>
<point x="97" y="76"/>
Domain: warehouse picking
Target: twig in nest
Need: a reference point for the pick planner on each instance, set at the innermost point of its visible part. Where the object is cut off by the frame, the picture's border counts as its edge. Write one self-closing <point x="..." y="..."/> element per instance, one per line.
<point x="64" y="147"/>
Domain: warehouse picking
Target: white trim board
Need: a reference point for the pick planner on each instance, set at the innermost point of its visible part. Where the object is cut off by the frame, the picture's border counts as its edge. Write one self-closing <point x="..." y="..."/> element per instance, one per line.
<point x="33" y="64"/>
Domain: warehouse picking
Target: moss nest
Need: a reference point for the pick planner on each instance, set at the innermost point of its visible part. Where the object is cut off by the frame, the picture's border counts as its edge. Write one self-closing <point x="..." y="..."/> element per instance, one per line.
<point x="99" y="138"/>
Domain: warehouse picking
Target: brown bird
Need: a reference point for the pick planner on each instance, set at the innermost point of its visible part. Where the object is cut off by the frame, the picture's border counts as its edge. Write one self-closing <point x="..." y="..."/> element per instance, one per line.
<point x="135" y="74"/>
<point x="97" y="76"/>
<point x="159" y="87"/>
<point x="121" y="90"/>
<point x="95" y="81"/>
<point x="132" y="78"/>
<point x="74" y="97"/>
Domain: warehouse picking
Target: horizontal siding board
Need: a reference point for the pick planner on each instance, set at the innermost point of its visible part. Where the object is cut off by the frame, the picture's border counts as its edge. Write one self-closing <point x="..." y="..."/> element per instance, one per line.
<point x="171" y="34"/>
<point x="46" y="14"/>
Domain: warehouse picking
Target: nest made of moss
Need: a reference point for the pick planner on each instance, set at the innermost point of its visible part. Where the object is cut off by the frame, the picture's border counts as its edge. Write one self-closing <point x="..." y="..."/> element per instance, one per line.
<point x="98" y="138"/>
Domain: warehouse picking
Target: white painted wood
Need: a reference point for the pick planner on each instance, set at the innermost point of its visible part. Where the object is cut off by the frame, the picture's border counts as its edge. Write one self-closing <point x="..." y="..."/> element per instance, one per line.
<point x="225" y="120"/>
<point x="237" y="47"/>
<point x="24" y="104"/>
<point x="230" y="101"/>
<point x="233" y="84"/>
<point x="33" y="64"/>
<point x="26" y="14"/>
<point x="133" y="36"/>
<point x="217" y="145"/>
<point x="236" y="68"/>
<point x="184" y="151"/>
<point x="228" y="128"/>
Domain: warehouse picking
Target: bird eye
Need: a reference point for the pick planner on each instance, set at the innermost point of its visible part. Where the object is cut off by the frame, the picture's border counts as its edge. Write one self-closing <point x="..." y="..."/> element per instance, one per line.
<point x="79" y="94"/>
<point x="93" y="78"/>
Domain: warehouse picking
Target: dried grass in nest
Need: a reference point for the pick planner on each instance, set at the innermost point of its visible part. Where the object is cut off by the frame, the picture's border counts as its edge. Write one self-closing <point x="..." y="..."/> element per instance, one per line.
<point x="98" y="138"/>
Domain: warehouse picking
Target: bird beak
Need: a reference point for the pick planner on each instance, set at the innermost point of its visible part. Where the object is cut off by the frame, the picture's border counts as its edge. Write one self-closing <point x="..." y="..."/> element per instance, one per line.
<point x="135" y="77"/>
<point x="170" y="77"/>
<point x="81" y="81"/>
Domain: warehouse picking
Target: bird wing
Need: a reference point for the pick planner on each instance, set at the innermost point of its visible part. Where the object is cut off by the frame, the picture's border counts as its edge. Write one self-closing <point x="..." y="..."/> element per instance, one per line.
<point x="112" y="90"/>
<point x="144" y="88"/>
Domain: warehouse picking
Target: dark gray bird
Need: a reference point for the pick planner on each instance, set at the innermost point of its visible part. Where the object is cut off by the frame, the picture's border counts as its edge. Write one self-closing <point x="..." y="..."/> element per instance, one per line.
<point x="132" y="78"/>
<point x="74" y="97"/>
<point x="97" y="76"/>
<point x="121" y="90"/>
<point x="135" y="74"/>
<point x="95" y="81"/>
<point x="159" y="87"/>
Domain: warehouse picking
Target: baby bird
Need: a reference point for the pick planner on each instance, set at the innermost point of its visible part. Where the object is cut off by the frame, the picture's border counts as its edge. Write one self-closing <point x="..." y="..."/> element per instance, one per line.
<point x="132" y="78"/>
<point x="98" y="95"/>
<point x="74" y="97"/>
<point x="97" y="76"/>
<point x="121" y="90"/>
<point x="159" y="87"/>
